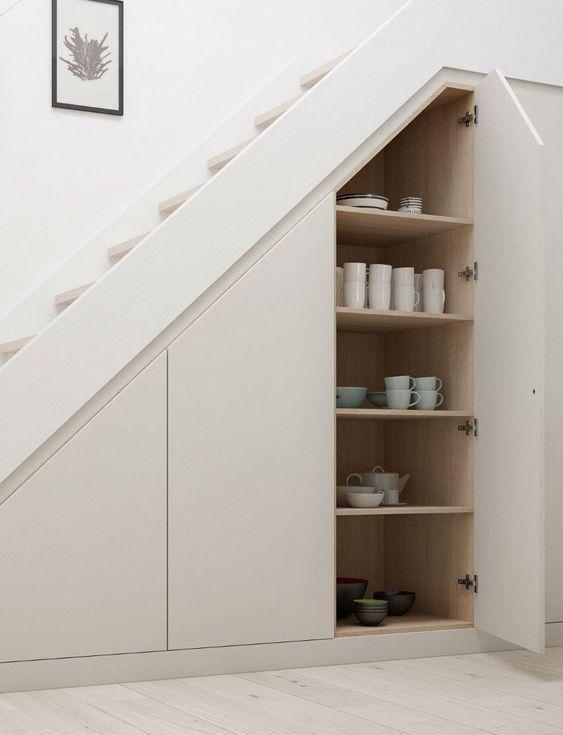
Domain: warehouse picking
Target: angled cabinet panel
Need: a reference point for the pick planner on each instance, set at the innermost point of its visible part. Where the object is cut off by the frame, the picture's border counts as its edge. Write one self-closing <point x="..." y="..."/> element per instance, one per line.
<point x="251" y="442"/>
<point x="510" y="370"/>
<point x="83" y="541"/>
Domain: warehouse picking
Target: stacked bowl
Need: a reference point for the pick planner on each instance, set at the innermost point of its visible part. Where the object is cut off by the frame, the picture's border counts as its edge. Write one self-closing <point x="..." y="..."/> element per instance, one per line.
<point x="411" y="205"/>
<point x="370" y="612"/>
<point x="371" y="201"/>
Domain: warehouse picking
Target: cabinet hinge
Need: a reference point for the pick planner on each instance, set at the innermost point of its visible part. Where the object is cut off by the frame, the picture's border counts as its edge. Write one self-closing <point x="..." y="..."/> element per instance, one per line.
<point x="469" y="117"/>
<point x="470" y="427"/>
<point x="470" y="583"/>
<point x="470" y="272"/>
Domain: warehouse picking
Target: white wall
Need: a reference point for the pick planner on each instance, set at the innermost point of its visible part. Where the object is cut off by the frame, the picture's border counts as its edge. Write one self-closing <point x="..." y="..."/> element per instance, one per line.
<point x="188" y="65"/>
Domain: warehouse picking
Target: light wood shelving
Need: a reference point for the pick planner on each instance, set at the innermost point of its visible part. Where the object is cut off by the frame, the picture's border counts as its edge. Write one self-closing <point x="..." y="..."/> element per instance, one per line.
<point x="391" y="414"/>
<point x="386" y="322"/>
<point x="382" y="227"/>
<point x="409" y="623"/>
<point x="405" y="510"/>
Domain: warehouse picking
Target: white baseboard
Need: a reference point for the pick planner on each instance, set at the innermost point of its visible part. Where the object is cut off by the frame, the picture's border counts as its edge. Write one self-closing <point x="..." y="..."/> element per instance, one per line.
<point x="54" y="673"/>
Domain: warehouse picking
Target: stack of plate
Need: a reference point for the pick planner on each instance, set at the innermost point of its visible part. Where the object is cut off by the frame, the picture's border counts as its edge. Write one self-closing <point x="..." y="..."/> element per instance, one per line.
<point x="412" y="205"/>
<point x="370" y="612"/>
<point x="375" y="201"/>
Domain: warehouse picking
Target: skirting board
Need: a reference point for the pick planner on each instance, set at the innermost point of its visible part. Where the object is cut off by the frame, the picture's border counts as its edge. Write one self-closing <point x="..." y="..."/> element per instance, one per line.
<point x="55" y="673"/>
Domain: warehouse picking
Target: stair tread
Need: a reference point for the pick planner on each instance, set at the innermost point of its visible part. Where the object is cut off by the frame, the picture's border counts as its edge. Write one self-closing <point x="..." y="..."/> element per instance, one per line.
<point x="67" y="297"/>
<point x="122" y="248"/>
<point x="14" y="345"/>
<point x="223" y="158"/>
<point x="268" y="117"/>
<point x="317" y="74"/>
<point x="169" y="205"/>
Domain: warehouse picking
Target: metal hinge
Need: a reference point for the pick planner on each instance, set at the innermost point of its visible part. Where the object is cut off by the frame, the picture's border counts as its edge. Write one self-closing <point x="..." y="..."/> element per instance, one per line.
<point x="469" y="583"/>
<point x="469" y="117"/>
<point x="470" y="427"/>
<point x="470" y="273"/>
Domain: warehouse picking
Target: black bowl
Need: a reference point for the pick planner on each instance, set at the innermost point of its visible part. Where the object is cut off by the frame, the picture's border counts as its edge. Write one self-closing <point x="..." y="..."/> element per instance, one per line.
<point x="399" y="602"/>
<point x="348" y="589"/>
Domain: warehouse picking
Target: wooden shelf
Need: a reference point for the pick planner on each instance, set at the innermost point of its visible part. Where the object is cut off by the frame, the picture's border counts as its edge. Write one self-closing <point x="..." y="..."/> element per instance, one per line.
<point x="383" y="322"/>
<point x="382" y="227"/>
<point x="409" y="623"/>
<point x="391" y="414"/>
<point x="405" y="510"/>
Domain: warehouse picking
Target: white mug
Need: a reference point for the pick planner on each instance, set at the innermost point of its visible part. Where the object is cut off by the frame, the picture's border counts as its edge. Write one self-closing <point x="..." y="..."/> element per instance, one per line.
<point x="402" y="399"/>
<point x="355" y="272"/>
<point x="355" y="294"/>
<point x="433" y="300"/>
<point x="340" y="287"/>
<point x="432" y="383"/>
<point x="433" y="278"/>
<point x="379" y="295"/>
<point x="380" y="272"/>
<point x="405" y="298"/>
<point x="399" y="382"/>
<point x="418" y="289"/>
<point x="429" y="400"/>
<point x="403" y="276"/>
<point x="391" y="497"/>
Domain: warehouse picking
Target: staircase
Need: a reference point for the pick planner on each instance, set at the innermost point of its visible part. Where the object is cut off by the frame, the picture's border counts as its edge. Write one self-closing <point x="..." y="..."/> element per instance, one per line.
<point x="214" y="164"/>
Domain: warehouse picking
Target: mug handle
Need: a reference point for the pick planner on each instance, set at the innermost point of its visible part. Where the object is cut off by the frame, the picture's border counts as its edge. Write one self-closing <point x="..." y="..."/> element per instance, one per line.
<point x="443" y="298"/>
<point x="441" y="397"/>
<point x="439" y="387"/>
<point x="354" y="474"/>
<point x="414" y="393"/>
<point x="377" y="468"/>
<point x="417" y="298"/>
<point x="413" y="386"/>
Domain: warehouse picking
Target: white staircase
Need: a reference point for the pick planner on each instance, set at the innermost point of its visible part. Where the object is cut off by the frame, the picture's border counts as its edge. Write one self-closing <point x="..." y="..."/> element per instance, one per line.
<point x="214" y="164"/>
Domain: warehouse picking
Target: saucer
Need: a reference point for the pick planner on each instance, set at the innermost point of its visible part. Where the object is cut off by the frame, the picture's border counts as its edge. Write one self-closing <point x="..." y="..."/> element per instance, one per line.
<point x="392" y="505"/>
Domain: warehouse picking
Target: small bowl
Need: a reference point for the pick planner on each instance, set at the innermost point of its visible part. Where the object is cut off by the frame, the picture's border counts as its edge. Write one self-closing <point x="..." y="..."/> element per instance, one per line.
<point x="369" y="618"/>
<point x="378" y="398"/>
<point x="399" y="602"/>
<point x="365" y="500"/>
<point x="350" y="397"/>
<point x="347" y="589"/>
<point x="341" y="490"/>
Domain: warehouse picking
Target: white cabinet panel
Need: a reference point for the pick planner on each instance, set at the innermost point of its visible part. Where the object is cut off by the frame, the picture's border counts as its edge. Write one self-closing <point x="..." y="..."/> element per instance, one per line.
<point x="251" y="442"/>
<point x="510" y="370"/>
<point x="83" y="541"/>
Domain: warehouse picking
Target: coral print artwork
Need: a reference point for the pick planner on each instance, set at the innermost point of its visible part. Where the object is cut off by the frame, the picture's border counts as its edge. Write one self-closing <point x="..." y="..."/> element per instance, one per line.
<point x="87" y="59"/>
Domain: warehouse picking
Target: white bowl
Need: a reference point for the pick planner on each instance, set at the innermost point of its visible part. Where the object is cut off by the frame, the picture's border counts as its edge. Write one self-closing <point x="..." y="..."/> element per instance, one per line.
<point x="365" y="500"/>
<point x="343" y="490"/>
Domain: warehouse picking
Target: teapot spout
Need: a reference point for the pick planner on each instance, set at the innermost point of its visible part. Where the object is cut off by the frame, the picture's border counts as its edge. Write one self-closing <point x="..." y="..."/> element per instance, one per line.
<point x="402" y="482"/>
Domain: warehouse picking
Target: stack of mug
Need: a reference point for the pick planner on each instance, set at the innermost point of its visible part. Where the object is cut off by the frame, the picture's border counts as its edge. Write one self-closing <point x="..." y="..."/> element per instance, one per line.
<point x="355" y="285"/>
<point x="380" y="286"/>
<point x="433" y="294"/>
<point x="405" y="297"/>
<point x="403" y="391"/>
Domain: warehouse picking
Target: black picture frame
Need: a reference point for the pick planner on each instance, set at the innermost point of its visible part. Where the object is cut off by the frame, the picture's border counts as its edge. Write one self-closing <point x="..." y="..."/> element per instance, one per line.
<point x="54" y="60"/>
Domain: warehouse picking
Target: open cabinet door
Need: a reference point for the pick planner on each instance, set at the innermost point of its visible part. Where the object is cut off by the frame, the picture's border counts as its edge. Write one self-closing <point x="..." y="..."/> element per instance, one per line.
<point x="510" y="368"/>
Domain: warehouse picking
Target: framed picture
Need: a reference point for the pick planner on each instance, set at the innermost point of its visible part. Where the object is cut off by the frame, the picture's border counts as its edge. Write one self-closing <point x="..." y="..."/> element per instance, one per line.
<point x="87" y="64"/>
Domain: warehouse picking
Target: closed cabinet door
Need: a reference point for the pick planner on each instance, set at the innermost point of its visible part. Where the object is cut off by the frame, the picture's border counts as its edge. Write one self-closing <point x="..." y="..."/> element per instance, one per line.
<point x="83" y="541"/>
<point x="510" y="370"/>
<point x="251" y="453"/>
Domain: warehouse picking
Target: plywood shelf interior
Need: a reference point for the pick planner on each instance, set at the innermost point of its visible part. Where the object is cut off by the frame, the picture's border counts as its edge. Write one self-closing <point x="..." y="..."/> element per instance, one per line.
<point x="409" y="623"/>
<point x="391" y="414"/>
<point x="405" y="510"/>
<point x="381" y="228"/>
<point x="385" y="322"/>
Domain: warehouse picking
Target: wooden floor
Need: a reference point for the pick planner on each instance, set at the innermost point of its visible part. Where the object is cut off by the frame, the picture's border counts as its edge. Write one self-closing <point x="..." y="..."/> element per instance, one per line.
<point x="512" y="693"/>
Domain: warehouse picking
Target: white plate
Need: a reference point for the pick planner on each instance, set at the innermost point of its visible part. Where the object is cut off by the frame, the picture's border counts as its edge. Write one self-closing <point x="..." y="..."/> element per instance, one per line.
<point x="364" y="202"/>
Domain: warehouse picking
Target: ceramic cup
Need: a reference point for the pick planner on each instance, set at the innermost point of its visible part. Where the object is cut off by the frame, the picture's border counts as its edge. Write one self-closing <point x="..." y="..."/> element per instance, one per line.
<point x="433" y="278"/>
<point x="405" y="298"/>
<point x="399" y="382"/>
<point x="379" y="295"/>
<point x="433" y="300"/>
<point x="429" y="400"/>
<point x="402" y="399"/>
<point x="380" y="272"/>
<point x="340" y="287"/>
<point x="427" y="384"/>
<point x="418" y="289"/>
<point x="355" y="272"/>
<point x="403" y="277"/>
<point x="391" y="497"/>
<point x="355" y="294"/>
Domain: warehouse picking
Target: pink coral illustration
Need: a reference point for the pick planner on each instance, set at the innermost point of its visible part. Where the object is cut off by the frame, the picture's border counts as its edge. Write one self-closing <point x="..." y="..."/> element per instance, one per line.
<point x="89" y="58"/>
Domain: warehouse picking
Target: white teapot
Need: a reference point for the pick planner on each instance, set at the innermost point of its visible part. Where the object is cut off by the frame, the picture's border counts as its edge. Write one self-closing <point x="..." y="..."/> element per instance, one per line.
<point x="389" y="482"/>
